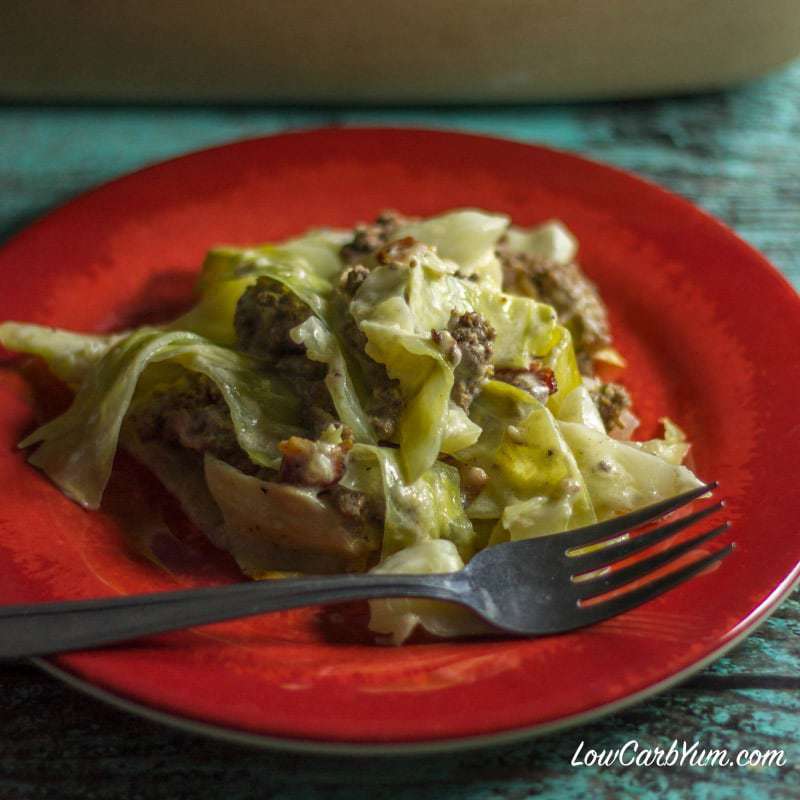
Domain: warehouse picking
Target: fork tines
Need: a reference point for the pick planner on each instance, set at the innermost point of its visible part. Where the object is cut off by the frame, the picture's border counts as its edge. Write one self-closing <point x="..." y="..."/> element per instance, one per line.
<point x="593" y="534"/>
<point x="629" y="600"/>
<point x="592" y="572"/>
<point x="617" y="549"/>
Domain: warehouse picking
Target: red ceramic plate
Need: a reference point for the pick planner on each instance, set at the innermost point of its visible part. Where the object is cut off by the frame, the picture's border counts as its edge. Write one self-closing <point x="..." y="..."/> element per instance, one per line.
<point x="710" y="332"/>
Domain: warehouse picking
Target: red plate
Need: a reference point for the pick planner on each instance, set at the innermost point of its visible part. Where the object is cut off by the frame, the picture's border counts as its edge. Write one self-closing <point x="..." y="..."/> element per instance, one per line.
<point x="694" y="310"/>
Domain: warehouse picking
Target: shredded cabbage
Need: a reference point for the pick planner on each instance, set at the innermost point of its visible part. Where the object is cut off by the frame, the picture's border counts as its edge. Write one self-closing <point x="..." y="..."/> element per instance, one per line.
<point x="304" y="265"/>
<point x="534" y="486"/>
<point x="468" y="237"/>
<point x="68" y="355"/>
<point x="546" y="467"/>
<point x="550" y="241"/>
<point x="397" y="618"/>
<point x="428" y="508"/>
<point x="397" y="309"/>
<point x="77" y="448"/>
<point x="397" y="324"/>
<point x="621" y="477"/>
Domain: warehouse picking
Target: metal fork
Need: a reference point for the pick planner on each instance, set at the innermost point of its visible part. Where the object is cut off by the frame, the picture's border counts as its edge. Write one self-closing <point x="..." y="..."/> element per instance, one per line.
<point x="533" y="587"/>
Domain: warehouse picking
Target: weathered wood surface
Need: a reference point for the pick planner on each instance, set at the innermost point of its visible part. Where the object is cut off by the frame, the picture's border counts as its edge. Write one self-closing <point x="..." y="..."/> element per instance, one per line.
<point x="735" y="154"/>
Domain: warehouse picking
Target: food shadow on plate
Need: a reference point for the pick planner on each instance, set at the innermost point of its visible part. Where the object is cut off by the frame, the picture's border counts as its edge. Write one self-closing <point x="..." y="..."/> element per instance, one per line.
<point x="164" y="297"/>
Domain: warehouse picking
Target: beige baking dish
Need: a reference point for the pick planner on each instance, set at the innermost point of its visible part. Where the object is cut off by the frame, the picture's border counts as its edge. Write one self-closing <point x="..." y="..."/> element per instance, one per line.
<point x="395" y="52"/>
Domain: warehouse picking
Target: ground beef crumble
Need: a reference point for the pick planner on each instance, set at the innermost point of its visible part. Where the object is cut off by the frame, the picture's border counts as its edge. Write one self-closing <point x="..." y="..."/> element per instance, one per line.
<point x="265" y="314"/>
<point x="355" y="505"/>
<point x="369" y="238"/>
<point x="193" y="415"/>
<point x="467" y="344"/>
<point x="612" y="401"/>
<point x="351" y="503"/>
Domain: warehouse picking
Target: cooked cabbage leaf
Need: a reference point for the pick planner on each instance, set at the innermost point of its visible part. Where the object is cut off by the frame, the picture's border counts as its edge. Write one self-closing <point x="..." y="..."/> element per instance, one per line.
<point x="620" y="476"/>
<point x="315" y="253"/>
<point x="534" y="486"/>
<point x="427" y="508"/>
<point x="402" y="342"/>
<point x="524" y="329"/>
<point x="398" y="618"/>
<point x="397" y="308"/>
<point x="76" y="449"/>
<point x="578" y="406"/>
<point x="271" y="526"/>
<point x="68" y="355"/>
<point x="468" y="237"/>
<point x="318" y="249"/>
<point x="561" y="359"/>
<point x="549" y="241"/>
<point x="302" y="265"/>
<point x="212" y="316"/>
<point x="673" y="447"/>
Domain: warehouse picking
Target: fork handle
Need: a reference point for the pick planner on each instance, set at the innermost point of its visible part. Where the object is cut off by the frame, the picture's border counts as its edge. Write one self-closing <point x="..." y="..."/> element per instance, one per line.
<point x="47" y="628"/>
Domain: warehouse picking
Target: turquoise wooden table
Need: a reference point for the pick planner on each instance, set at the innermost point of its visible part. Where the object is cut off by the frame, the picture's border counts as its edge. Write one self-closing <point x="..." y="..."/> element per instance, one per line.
<point x="737" y="155"/>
